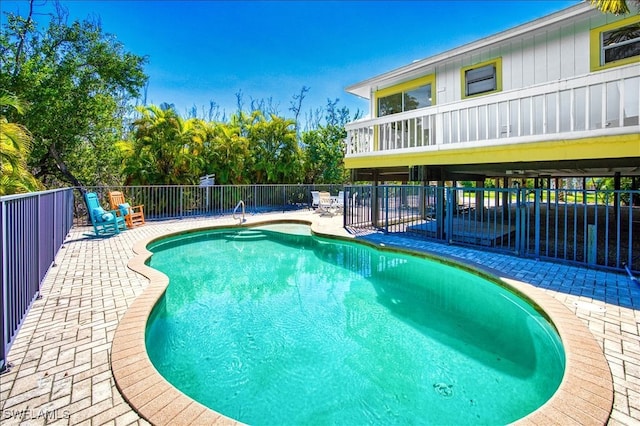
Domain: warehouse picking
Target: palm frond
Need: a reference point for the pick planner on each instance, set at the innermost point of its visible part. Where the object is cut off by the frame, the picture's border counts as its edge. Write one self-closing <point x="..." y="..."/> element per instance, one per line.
<point x="616" y="7"/>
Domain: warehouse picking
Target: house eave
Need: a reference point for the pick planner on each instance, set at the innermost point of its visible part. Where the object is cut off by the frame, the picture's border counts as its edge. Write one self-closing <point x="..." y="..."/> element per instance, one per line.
<point x="364" y="88"/>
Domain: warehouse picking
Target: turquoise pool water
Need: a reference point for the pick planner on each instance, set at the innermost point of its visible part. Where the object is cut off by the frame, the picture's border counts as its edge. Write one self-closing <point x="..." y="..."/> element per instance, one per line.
<point x="271" y="325"/>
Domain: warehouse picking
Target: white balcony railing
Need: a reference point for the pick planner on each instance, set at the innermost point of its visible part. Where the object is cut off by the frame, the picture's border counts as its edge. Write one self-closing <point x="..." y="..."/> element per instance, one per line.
<point x="597" y="104"/>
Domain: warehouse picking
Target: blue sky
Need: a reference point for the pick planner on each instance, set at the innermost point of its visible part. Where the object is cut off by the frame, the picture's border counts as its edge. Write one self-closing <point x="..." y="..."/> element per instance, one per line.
<point x="202" y="51"/>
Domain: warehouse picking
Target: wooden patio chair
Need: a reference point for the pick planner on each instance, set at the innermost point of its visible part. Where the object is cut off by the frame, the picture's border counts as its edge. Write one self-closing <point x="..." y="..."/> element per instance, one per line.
<point x="104" y="222"/>
<point x="133" y="215"/>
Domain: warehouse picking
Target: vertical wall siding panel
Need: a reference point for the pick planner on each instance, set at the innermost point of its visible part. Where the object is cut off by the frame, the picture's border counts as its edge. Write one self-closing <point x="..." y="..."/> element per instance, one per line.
<point x="528" y="62"/>
<point x="477" y="57"/>
<point x="540" y="58"/>
<point x="601" y="19"/>
<point x="507" y="65"/>
<point x="493" y="53"/>
<point x="554" y="60"/>
<point x="567" y="52"/>
<point x="517" y="69"/>
<point x="444" y="82"/>
<point x="581" y="49"/>
<point x="441" y="85"/>
<point x="454" y="87"/>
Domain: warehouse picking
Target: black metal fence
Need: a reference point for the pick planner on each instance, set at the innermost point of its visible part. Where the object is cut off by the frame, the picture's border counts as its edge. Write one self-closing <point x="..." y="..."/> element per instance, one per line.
<point x="33" y="227"/>
<point x="32" y="230"/>
<point x="600" y="228"/>
<point x="584" y="226"/>
<point x="172" y="202"/>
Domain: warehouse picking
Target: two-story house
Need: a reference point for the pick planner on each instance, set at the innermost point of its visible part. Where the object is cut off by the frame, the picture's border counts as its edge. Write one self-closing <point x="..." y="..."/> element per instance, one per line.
<point x="555" y="97"/>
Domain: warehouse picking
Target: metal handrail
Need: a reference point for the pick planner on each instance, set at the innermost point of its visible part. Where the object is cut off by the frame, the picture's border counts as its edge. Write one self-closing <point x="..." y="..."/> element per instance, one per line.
<point x="240" y="203"/>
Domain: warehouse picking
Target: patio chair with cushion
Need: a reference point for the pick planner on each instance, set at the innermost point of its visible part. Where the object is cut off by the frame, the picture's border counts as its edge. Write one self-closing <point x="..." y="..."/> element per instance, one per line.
<point x="326" y="204"/>
<point x="133" y="215"/>
<point x="340" y="201"/>
<point x="315" y="199"/>
<point x="104" y="222"/>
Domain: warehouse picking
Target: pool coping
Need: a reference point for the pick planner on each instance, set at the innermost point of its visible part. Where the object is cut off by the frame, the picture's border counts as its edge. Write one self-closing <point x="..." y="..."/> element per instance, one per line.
<point x="584" y="396"/>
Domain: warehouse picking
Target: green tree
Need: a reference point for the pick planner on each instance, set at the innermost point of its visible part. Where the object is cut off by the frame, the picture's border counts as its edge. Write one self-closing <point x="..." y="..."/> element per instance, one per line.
<point x="226" y="154"/>
<point x="79" y="82"/>
<point x="15" y="145"/>
<point x="276" y="156"/>
<point x="164" y="148"/>
<point x="324" y="146"/>
<point x="324" y="155"/>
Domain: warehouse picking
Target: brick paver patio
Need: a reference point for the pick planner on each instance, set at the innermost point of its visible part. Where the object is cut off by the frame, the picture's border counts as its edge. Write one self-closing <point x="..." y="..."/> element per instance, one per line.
<point x="60" y="361"/>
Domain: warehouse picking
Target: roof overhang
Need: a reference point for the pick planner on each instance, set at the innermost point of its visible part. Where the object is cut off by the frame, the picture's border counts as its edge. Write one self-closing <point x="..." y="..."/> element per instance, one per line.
<point x="426" y="66"/>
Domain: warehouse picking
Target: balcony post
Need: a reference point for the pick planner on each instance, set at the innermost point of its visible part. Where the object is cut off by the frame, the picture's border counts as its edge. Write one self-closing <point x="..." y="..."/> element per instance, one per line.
<point x="439" y="118"/>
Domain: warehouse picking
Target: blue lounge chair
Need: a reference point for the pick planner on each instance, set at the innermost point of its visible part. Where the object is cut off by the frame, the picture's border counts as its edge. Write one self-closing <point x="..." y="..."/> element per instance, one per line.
<point x="104" y="222"/>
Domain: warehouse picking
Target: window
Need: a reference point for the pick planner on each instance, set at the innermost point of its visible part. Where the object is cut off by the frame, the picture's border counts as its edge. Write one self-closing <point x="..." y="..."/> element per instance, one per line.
<point x="620" y="43"/>
<point x="615" y="44"/>
<point x="482" y="78"/>
<point x="391" y="104"/>
<point x="419" y="97"/>
<point x="407" y="100"/>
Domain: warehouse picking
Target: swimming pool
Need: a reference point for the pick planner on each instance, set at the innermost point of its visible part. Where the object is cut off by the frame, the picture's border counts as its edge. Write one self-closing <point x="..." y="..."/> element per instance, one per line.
<point x="414" y="339"/>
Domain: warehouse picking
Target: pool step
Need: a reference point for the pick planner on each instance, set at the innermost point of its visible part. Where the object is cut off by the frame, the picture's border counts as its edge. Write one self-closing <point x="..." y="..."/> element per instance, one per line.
<point x="246" y="235"/>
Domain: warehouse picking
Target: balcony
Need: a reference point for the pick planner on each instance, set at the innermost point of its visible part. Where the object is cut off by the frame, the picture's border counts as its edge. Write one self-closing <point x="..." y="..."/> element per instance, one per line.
<point x="600" y="104"/>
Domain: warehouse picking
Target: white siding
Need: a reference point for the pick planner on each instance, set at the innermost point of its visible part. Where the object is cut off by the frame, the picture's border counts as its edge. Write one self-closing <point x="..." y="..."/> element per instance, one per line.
<point x="567" y="51"/>
<point x="555" y="53"/>
<point x="516" y="59"/>
<point x="540" y="58"/>
<point x="448" y="82"/>
<point x="528" y="62"/>
<point x="581" y="47"/>
<point x="507" y="67"/>
<point x="554" y="60"/>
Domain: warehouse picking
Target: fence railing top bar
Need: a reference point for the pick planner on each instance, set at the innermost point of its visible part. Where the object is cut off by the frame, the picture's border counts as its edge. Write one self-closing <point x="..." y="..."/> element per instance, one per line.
<point x="31" y="194"/>
<point x="247" y="185"/>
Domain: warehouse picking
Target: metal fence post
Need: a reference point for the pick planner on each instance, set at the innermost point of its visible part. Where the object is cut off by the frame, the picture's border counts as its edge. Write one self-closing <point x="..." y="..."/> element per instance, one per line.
<point x="386" y="208"/>
<point x="181" y="201"/>
<point x="53" y="234"/>
<point x="537" y="198"/>
<point x="519" y="225"/>
<point x="449" y="213"/>
<point x="4" y="279"/>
